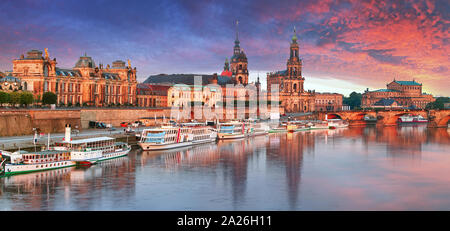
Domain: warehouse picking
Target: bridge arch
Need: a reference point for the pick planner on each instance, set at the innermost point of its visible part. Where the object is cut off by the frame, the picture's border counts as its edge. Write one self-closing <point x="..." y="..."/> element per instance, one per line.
<point x="392" y="117"/>
<point x="444" y="121"/>
<point x="334" y="116"/>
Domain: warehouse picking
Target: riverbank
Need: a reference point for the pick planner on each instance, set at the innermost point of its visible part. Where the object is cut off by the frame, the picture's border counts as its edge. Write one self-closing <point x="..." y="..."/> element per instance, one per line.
<point x="26" y="142"/>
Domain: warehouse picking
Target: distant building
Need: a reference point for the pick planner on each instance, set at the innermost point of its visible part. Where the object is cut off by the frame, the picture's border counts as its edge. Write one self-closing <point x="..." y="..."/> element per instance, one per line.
<point x="407" y="94"/>
<point x="149" y="95"/>
<point x="211" y="90"/>
<point x="328" y="102"/>
<point x="85" y="83"/>
<point x="10" y="83"/>
<point x="386" y="104"/>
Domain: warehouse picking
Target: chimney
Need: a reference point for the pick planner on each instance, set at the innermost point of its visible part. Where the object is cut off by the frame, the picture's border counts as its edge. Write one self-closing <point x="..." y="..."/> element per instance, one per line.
<point x="67" y="135"/>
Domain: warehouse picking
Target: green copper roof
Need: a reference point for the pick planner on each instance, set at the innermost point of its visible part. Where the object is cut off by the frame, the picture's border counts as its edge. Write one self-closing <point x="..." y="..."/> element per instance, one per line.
<point x="407" y="82"/>
<point x="385" y="90"/>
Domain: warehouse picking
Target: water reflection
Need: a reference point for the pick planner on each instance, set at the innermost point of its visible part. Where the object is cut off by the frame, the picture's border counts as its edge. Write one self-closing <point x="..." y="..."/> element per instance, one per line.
<point x="363" y="168"/>
<point x="71" y="188"/>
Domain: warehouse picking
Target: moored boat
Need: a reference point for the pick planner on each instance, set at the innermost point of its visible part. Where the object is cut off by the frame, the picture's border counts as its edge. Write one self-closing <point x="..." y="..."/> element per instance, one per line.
<point x="170" y="136"/>
<point x="282" y="127"/>
<point x="259" y="128"/>
<point x="317" y="125"/>
<point x="234" y="130"/>
<point x="24" y="162"/>
<point x="409" y="118"/>
<point x="337" y="123"/>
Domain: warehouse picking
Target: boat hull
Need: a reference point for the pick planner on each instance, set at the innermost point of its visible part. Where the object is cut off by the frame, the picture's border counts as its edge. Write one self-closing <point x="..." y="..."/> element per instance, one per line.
<point x="12" y="169"/>
<point x="114" y="155"/>
<point x="227" y="136"/>
<point x="154" y="147"/>
<point x="277" y="130"/>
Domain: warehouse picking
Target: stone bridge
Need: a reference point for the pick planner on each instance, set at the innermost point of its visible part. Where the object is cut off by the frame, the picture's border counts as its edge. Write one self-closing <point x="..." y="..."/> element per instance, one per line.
<point x="436" y="118"/>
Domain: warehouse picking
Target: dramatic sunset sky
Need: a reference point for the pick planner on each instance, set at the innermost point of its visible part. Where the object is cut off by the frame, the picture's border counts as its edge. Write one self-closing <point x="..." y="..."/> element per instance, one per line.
<point x="345" y="45"/>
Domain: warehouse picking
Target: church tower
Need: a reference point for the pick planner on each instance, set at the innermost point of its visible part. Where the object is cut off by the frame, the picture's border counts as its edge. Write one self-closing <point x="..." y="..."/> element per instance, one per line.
<point x="294" y="67"/>
<point x="239" y="62"/>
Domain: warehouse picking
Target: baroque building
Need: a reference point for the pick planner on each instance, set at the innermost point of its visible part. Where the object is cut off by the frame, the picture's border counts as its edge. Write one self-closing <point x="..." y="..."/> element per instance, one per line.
<point x="406" y="94"/>
<point x="211" y="90"/>
<point x="292" y="94"/>
<point x="84" y="84"/>
<point x="239" y="63"/>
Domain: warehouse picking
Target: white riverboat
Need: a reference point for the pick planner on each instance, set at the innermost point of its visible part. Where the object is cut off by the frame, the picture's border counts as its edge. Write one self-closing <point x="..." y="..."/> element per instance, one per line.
<point x="337" y="123"/>
<point x="170" y="136"/>
<point x="91" y="150"/>
<point x="25" y="162"/>
<point x="259" y="128"/>
<point x="296" y="126"/>
<point x="317" y="125"/>
<point x="234" y="130"/>
<point x="282" y="127"/>
<point x="408" y="119"/>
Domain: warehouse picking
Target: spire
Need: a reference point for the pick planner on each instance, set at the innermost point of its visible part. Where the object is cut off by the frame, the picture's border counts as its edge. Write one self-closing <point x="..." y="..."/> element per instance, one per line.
<point x="237" y="35"/>
<point x="294" y="37"/>
<point x="237" y="48"/>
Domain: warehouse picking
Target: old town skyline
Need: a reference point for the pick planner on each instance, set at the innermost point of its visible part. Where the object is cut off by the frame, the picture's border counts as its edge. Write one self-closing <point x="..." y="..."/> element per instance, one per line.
<point x="333" y="62"/>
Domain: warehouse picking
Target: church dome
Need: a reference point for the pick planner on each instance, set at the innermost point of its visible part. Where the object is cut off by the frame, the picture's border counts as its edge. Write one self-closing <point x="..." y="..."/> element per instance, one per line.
<point x="85" y="61"/>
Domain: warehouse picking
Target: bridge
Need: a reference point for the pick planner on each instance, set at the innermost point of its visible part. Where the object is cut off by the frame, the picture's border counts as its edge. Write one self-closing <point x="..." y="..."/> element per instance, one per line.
<point x="436" y="118"/>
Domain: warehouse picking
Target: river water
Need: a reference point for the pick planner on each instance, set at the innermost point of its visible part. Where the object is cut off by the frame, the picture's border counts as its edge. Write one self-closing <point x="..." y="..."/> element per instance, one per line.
<point x="363" y="168"/>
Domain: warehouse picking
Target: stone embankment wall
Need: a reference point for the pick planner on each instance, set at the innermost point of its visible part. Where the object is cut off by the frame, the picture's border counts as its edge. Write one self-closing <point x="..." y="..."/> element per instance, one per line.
<point x="22" y="122"/>
<point x="117" y="116"/>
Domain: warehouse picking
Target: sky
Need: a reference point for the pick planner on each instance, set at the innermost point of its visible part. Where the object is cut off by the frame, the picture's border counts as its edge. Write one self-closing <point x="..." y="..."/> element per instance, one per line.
<point x="345" y="46"/>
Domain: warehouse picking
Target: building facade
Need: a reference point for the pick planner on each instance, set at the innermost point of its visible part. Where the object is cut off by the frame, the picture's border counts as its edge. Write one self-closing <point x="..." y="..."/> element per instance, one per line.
<point x="407" y="94"/>
<point x="84" y="84"/>
<point x="329" y="102"/>
<point x="149" y="95"/>
<point x="10" y="83"/>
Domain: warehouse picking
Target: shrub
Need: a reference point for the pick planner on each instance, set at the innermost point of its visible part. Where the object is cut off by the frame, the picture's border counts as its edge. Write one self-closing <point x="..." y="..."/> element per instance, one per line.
<point x="49" y="98"/>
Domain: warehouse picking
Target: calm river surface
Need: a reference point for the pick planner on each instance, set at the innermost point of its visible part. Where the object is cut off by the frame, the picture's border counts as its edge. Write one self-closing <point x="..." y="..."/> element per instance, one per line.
<point x="366" y="168"/>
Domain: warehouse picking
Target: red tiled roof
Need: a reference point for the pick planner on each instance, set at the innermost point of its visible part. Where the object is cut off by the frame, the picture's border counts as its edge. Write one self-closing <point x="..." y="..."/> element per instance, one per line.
<point x="156" y="89"/>
<point x="226" y="73"/>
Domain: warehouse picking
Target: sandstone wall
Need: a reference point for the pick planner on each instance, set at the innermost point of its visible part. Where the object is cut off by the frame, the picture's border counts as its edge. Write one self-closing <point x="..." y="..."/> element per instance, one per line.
<point x="22" y="122"/>
<point x="117" y="116"/>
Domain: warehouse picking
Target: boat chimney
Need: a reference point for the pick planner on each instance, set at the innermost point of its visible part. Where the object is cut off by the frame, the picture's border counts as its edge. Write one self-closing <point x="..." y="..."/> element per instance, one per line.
<point x="67" y="135"/>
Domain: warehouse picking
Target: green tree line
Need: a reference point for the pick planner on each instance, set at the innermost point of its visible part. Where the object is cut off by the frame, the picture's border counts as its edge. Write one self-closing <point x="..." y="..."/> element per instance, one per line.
<point x="354" y="100"/>
<point x="24" y="98"/>
<point x="439" y="103"/>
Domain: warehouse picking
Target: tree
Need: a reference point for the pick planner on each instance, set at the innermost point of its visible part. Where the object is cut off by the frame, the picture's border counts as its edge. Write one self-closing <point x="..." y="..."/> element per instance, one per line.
<point x="49" y="98"/>
<point x="14" y="98"/>
<point x="26" y="98"/>
<point x="4" y="98"/>
<point x="354" y="101"/>
<point x="438" y="104"/>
